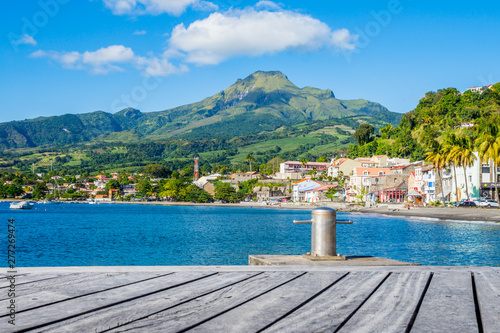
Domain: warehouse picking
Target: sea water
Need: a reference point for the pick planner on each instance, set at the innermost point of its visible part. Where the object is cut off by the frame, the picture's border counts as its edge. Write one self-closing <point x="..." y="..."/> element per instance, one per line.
<point x="130" y="234"/>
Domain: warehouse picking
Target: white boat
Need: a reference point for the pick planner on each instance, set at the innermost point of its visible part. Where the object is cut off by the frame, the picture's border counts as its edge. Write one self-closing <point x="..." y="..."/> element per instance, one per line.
<point x="51" y="202"/>
<point x="22" y="205"/>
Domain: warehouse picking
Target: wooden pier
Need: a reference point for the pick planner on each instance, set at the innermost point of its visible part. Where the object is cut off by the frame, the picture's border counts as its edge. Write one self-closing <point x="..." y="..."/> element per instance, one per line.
<point x="254" y="299"/>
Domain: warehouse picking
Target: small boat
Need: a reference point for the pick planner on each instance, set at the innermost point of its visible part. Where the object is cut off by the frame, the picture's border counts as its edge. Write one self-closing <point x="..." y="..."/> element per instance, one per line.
<point x="51" y="202"/>
<point x="22" y="205"/>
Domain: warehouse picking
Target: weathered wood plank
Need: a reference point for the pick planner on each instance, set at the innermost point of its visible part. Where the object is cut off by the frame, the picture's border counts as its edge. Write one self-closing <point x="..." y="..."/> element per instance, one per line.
<point x="140" y="308"/>
<point x="76" y="307"/>
<point x="54" y="283"/>
<point x="326" y="312"/>
<point x="488" y="294"/>
<point x="23" y="279"/>
<point x="203" y="308"/>
<point x="34" y="296"/>
<point x="391" y="307"/>
<point x="448" y="305"/>
<point x="253" y="316"/>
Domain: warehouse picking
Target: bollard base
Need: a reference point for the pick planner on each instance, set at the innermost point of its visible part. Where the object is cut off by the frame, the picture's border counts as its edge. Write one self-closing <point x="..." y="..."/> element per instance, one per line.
<point x="291" y="260"/>
<point x="323" y="258"/>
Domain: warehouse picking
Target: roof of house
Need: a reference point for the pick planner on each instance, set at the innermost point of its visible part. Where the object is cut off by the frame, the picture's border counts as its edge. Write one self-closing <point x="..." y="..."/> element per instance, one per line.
<point x="322" y="188"/>
<point x="305" y="179"/>
<point x="359" y="171"/>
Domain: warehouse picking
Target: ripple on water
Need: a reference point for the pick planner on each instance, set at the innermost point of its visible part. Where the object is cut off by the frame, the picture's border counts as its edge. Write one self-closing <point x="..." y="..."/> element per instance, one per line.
<point x="85" y="235"/>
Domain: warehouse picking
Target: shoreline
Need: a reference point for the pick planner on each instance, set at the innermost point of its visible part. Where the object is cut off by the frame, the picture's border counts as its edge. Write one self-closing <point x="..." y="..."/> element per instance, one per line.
<point x="450" y="214"/>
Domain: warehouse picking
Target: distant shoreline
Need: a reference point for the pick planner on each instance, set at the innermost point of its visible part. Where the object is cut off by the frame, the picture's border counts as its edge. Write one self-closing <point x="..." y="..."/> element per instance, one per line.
<point x="479" y="215"/>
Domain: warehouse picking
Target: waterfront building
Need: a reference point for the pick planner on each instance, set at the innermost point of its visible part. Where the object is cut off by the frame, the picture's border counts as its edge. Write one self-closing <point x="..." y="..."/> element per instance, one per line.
<point x="300" y="188"/>
<point x="342" y="166"/>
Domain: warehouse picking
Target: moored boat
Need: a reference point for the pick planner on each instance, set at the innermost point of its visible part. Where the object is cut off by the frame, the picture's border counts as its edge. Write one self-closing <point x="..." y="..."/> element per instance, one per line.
<point x="22" y="205"/>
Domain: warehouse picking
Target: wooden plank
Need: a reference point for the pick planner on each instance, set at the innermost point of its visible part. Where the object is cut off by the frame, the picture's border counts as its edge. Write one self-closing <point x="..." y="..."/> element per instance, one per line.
<point x="326" y="312"/>
<point x="188" y="314"/>
<point x="22" y="279"/>
<point x="253" y="316"/>
<point x="76" y="307"/>
<point x="33" y="287"/>
<point x="391" y="307"/>
<point x="116" y="315"/>
<point x="34" y="296"/>
<point x="448" y="305"/>
<point x="488" y="294"/>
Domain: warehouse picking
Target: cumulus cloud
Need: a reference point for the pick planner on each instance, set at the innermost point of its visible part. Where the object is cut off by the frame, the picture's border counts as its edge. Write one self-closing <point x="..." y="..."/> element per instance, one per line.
<point x="265" y="4"/>
<point x="25" y="39"/>
<point x="107" y="59"/>
<point x="250" y="32"/>
<point x="156" y="7"/>
<point x="139" y="32"/>
<point x="158" y="66"/>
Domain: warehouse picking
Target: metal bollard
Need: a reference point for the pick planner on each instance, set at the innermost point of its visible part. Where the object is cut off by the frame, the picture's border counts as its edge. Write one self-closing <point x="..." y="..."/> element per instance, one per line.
<point x="323" y="231"/>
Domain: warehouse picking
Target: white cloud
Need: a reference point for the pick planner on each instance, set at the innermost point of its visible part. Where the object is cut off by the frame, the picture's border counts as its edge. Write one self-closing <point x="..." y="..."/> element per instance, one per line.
<point x="254" y="33"/>
<point x="139" y="32"/>
<point x="158" y="66"/>
<point x="344" y="39"/>
<point x="156" y="7"/>
<point x="25" y="39"/>
<point x="268" y="5"/>
<point x="101" y="61"/>
<point x="107" y="59"/>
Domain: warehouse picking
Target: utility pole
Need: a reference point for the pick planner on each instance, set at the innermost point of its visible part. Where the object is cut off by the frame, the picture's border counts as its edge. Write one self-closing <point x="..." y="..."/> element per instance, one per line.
<point x="33" y="167"/>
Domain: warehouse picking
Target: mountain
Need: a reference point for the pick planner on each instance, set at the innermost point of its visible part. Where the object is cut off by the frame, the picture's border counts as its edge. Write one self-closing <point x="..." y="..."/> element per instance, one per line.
<point x="264" y="101"/>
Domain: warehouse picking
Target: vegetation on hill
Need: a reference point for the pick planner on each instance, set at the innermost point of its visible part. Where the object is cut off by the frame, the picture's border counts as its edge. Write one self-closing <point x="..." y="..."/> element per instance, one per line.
<point x="264" y="101"/>
<point x="438" y="116"/>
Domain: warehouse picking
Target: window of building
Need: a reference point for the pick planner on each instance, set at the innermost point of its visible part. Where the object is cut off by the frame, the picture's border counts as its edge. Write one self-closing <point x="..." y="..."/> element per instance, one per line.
<point x="365" y="173"/>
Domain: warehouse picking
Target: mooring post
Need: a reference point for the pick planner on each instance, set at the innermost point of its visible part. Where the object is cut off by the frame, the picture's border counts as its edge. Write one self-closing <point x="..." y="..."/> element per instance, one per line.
<point x="323" y="232"/>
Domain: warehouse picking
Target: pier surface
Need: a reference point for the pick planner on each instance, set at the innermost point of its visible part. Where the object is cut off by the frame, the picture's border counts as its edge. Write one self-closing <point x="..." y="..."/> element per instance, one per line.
<point x="254" y="299"/>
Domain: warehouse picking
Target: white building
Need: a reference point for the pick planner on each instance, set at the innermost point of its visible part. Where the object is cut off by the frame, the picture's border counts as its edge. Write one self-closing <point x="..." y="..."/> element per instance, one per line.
<point x="301" y="187"/>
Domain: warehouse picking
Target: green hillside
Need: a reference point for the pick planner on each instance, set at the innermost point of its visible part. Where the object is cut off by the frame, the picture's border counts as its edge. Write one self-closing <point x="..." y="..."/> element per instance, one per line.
<point x="439" y="115"/>
<point x="264" y="101"/>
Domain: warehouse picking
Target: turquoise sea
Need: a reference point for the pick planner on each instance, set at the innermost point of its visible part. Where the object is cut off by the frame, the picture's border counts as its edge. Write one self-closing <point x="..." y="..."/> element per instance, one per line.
<point x="109" y="235"/>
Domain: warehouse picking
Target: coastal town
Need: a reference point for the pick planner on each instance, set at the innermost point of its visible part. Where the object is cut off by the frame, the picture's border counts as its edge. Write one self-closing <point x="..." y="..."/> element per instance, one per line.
<point x="363" y="180"/>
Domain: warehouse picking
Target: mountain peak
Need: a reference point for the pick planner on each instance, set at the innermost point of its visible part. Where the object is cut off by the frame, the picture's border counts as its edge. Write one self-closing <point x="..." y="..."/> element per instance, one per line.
<point x="130" y="113"/>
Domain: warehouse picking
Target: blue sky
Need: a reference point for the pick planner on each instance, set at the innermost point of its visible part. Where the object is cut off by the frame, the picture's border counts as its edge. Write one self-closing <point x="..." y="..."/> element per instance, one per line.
<point x="69" y="56"/>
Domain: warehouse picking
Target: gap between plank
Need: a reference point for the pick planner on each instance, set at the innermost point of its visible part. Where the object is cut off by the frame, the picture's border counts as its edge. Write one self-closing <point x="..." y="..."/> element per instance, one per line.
<point x="181" y="303"/>
<point x="476" y="304"/>
<point x="303" y="303"/>
<point x="88" y="294"/>
<point x="419" y="304"/>
<point x="112" y="304"/>
<point x="240" y="304"/>
<point x="362" y="303"/>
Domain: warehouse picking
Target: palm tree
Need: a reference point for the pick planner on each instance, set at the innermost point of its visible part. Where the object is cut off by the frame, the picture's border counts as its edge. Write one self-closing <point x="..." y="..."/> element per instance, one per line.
<point x="449" y="143"/>
<point x="250" y="159"/>
<point x="488" y="145"/>
<point x="303" y="162"/>
<point x="436" y="157"/>
<point x="463" y="155"/>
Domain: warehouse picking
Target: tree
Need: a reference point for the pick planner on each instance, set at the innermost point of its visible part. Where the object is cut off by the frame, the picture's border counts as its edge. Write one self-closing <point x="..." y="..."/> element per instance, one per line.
<point x="250" y="159"/>
<point x="463" y="155"/>
<point x="225" y="192"/>
<point x="303" y="161"/>
<point x="39" y="190"/>
<point x="157" y="171"/>
<point x="322" y="159"/>
<point x="112" y="184"/>
<point x="331" y="193"/>
<point x="144" y="188"/>
<point x="364" y="133"/>
<point x="436" y="157"/>
<point x="450" y="141"/>
<point x="488" y="145"/>
<point x="14" y="190"/>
